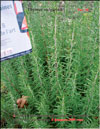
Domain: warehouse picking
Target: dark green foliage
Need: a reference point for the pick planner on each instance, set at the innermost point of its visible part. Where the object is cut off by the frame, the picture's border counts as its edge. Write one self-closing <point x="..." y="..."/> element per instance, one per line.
<point x="61" y="75"/>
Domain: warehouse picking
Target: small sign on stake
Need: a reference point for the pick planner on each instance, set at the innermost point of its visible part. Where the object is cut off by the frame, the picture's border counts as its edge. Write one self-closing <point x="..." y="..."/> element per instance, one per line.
<point x="15" y="39"/>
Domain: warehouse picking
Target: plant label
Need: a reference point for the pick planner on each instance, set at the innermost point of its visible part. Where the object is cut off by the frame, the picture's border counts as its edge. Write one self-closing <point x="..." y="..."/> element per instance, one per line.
<point x="15" y="39"/>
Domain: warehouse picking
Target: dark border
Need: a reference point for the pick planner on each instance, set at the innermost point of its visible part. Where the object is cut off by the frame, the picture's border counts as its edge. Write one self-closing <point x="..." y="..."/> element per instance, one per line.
<point x="16" y="55"/>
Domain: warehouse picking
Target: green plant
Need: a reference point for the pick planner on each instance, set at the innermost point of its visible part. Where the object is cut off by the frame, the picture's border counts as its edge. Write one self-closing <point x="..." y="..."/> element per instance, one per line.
<point x="60" y="76"/>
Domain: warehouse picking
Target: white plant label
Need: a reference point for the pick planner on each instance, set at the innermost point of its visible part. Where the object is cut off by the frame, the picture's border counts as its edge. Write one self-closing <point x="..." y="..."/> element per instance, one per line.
<point x="15" y="39"/>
